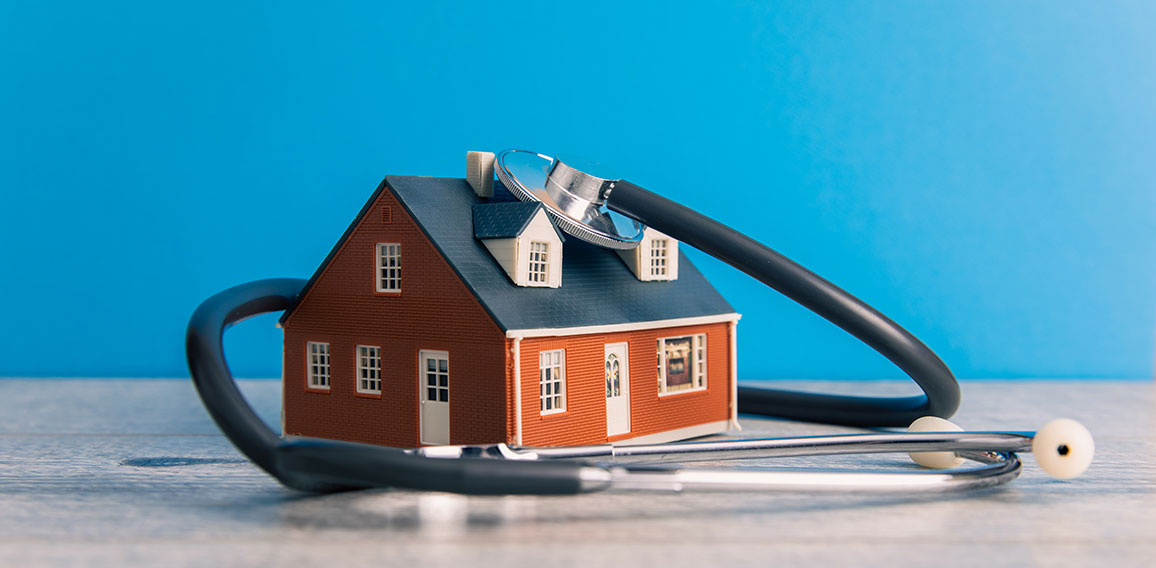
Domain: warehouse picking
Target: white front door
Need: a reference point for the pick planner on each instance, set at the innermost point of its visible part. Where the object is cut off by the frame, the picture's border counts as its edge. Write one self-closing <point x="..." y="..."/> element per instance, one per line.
<point x="434" y="381"/>
<point x="617" y="390"/>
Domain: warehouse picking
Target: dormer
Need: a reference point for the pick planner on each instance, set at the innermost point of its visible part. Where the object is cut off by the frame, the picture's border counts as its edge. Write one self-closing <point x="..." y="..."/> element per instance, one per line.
<point x="521" y="238"/>
<point x="654" y="259"/>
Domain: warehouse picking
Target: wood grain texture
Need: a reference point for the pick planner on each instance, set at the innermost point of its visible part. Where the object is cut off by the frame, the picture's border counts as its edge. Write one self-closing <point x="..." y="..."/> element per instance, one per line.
<point x="109" y="472"/>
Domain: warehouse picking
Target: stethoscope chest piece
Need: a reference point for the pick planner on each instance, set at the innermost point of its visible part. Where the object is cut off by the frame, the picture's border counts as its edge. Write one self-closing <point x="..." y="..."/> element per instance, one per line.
<point x="573" y="199"/>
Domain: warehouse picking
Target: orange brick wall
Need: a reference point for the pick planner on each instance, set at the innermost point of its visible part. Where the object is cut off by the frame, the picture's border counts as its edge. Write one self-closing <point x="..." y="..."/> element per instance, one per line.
<point x="584" y="421"/>
<point x="434" y="311"/>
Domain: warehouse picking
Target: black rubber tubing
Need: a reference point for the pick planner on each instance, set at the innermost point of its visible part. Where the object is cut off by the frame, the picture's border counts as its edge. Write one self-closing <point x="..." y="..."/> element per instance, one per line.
<point x="941" y="391"/>
<point x="324" y="465"/>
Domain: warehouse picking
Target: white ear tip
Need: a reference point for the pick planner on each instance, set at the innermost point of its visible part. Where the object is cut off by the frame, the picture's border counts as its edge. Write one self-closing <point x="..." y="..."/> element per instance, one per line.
<point x="1063" y="448"/>
<point x="935" y="460"/>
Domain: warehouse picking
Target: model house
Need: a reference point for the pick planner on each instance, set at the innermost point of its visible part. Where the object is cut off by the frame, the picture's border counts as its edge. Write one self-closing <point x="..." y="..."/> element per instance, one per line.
<point x="449" y="315"/>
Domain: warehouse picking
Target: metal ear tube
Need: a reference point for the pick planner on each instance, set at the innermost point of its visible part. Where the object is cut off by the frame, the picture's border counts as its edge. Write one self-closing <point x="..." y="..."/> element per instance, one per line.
<point x="654" y="467"/>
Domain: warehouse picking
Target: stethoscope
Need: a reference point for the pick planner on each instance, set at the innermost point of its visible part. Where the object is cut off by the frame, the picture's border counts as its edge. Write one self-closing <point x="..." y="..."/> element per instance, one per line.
<point x="613" y="214"/>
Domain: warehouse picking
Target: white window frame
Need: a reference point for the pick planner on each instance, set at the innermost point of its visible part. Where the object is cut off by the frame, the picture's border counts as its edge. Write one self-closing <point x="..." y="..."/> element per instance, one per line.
<point x="538" y="269"/>
<point x="441" y="392"/>
<point x="388" y="265"/>
<point x="552" y="381"/>
<point x="368" y="369"/>
<point x="317" y="365"/>
<point x="659" y="258"/>
<point x="697" y="364"/>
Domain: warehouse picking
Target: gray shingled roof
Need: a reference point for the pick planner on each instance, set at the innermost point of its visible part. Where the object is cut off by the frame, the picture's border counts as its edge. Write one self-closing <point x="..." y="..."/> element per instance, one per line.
<point x="597" y="287"/>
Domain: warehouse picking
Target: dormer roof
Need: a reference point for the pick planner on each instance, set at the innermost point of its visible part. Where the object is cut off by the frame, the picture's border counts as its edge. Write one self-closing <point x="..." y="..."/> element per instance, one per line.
<point x="504" y="220"/>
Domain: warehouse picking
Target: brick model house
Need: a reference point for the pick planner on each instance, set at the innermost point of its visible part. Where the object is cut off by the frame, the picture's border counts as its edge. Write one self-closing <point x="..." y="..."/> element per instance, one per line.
<point x="442" y="316"/>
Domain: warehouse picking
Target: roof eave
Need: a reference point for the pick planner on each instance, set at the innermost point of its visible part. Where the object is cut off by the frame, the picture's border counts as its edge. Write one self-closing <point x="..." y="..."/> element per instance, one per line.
<point x="622" y="327"/>
<point x="332" y="253"/>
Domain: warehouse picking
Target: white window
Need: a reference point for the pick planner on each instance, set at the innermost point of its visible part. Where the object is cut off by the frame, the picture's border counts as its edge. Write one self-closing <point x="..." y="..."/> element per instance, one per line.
<point x="388" y="267"/>
<point x="658" y="258"/>
<point x="368" y="369"/>
<point x="682" y="364"/>
<point x="318" y="354"/>
<point x="552" y="381"/>
<point x="437" y="376"/>
<point x="539" y="262"/>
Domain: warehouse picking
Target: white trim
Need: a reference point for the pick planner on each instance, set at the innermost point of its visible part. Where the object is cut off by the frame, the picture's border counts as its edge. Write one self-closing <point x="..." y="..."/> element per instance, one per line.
<point x="557" y="381"/>
<point x="433" y="410"/>
<point x="538" y="265"/>
<point x="618" y="405"/>
<point x="641" y="260"/>
<point x="391" y="252"/>
<point x="423" y="355"/>
<point x="678" y="434"/>
<point x="517" y="391"/>
<point x="514" y="254"/>
<point x="620" y="327"/>
<point x="316" y="362"/>
<point x="368" y="359"/>
<point x="659" y="259"/>
<point x="733" y="328"/>
<point x="696" y="365"/>
<point x="284" y="384"/>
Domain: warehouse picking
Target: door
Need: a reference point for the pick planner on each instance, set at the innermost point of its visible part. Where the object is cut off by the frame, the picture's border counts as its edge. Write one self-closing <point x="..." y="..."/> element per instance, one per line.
<point x="617" y="390"/>
<point x="434" y="382"/>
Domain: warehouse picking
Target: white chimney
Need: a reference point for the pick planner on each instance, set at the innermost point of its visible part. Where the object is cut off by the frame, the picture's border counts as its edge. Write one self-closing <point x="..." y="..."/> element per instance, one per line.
<point x="480" y="172"/>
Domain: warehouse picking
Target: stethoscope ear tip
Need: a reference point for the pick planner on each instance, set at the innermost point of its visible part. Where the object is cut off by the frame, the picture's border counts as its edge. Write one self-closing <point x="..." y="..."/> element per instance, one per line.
<point x="935" y="460"/>
<point x="1064" y="448"/>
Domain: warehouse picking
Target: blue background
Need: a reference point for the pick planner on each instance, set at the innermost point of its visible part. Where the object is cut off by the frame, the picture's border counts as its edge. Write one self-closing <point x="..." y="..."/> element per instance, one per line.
<point x="984" y="174"/>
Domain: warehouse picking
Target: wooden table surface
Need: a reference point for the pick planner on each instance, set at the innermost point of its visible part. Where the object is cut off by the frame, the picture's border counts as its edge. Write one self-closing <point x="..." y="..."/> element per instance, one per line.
<point x="133" y="472"/>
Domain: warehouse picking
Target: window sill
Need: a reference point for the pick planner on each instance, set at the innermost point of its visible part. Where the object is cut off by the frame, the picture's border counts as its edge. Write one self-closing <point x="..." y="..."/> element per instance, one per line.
<point x="387" y="294"/>
<point x="316" y="390"/>
<point x="682" y="392"/>
<point x="367" y="394"/>
<point x="553" y="414"/>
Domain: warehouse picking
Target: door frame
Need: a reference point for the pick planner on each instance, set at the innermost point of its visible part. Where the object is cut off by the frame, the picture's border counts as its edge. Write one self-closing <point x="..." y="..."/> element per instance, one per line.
<point x="422" y="356"/>
<point x="623" y="349"/>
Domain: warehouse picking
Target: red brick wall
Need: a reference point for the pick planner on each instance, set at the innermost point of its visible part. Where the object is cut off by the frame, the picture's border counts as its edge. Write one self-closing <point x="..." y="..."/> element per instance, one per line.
<point x="434" y="311"/>
<point x="584" y="421"/>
